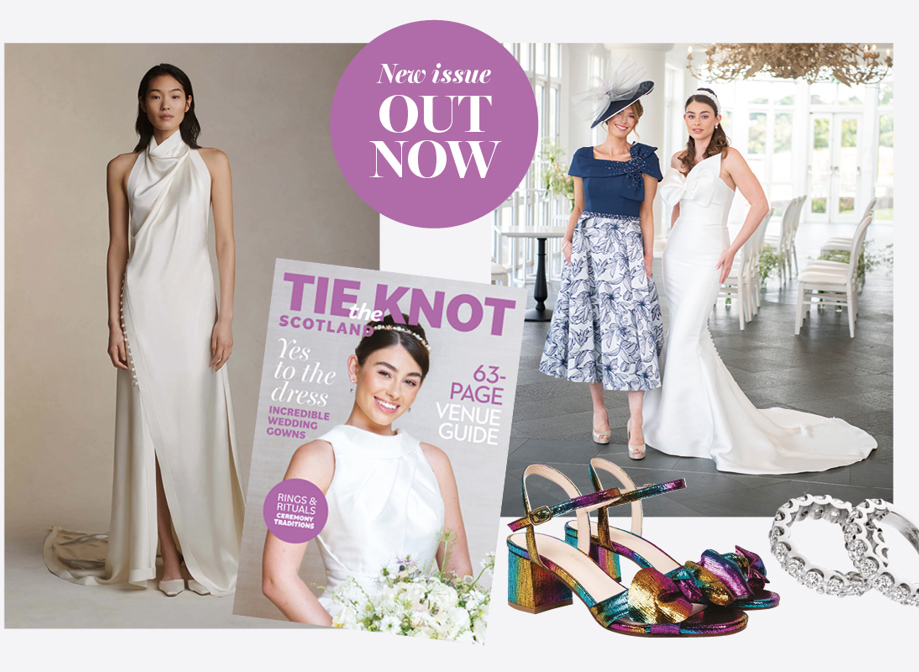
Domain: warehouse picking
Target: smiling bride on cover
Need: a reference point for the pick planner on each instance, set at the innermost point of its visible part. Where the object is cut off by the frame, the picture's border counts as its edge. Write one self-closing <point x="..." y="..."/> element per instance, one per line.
<point x="389" y="495"/>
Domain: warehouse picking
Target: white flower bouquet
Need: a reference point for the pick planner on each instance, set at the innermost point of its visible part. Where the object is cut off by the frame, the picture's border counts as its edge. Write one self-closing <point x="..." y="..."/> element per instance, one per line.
<point x="416" y="602"/>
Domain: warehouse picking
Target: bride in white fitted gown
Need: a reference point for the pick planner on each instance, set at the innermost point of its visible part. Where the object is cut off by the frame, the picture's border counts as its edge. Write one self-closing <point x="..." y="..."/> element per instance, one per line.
<point x="700" y="411"/>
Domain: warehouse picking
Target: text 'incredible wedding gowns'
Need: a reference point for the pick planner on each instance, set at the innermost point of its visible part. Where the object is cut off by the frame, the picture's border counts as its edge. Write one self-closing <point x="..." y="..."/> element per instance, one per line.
<point x="700" y="411"/>
<point x="384" y="505"/>
<point x="172" y="407"/>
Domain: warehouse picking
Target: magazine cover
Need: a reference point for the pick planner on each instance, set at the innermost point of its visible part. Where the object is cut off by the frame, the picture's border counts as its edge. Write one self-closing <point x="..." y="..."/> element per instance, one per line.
<point x="380" y="445"/>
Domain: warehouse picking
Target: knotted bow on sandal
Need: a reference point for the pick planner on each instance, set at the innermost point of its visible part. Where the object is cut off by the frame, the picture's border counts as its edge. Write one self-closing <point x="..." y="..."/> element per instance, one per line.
<point x="543" y="572"/>
<point x="736" y="579"/>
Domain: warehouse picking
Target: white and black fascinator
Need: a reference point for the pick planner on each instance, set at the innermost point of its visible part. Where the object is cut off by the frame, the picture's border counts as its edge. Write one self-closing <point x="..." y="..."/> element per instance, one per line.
<point x="620" y="89"/>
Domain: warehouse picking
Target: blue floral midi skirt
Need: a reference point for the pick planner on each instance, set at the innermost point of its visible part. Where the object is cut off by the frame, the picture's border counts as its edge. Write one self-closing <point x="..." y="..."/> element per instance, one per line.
<point x="606" y="326"/>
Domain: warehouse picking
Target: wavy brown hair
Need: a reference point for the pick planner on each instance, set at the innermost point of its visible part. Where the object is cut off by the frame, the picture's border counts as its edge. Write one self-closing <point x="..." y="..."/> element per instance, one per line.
<point x="717" y="145"/>
<point x="637" y="108"/>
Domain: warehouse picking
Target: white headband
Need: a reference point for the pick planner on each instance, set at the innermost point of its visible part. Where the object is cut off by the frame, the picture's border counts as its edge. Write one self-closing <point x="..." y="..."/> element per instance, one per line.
<point x="707" y="94"/>
<point x="404" y="330"/>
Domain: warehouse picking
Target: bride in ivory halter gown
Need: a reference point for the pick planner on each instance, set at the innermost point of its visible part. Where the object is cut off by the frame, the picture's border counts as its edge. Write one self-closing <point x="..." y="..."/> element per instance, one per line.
<point x="176" y="477"/>
<point x="699" y="410"/>
<point x="389" y="495"/>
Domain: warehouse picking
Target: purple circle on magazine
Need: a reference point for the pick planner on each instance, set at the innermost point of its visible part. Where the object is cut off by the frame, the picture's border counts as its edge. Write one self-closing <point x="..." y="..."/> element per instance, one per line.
<point x="295" y="510"/>
<point x="434" y="124"/>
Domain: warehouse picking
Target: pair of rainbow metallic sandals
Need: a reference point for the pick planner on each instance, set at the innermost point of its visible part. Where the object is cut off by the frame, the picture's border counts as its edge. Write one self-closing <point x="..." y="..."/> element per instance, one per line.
<point x="665" y="598"/>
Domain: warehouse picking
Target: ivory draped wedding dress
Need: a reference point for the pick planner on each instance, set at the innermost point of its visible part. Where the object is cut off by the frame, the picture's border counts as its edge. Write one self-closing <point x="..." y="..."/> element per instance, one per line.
<point x="699" y="410"/>
<point x="172" y="407"/>
<point x="384" y="505"/>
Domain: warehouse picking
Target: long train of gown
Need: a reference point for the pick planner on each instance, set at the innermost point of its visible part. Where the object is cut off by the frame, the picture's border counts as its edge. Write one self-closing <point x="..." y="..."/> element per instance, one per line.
<point x="699" y="410"/>
<point x="172" y="407"/>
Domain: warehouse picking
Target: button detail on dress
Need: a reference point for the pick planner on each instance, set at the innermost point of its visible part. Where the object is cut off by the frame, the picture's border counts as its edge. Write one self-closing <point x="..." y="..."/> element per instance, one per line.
<point x="124" y="333"/>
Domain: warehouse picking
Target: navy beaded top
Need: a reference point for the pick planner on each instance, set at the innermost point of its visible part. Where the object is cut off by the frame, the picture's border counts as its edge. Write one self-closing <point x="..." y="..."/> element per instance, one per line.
<point x="615" y="187"/>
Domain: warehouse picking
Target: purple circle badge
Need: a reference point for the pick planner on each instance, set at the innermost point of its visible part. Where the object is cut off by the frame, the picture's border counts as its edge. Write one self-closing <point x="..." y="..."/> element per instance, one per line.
<point x="295" y="510"/>
<point x="434" y="124"/>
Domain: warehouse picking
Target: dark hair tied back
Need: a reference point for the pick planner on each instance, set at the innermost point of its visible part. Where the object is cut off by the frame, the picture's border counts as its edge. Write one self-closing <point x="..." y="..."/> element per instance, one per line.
<point x="415" y="342"/>
<point x="717" y="145"/>
<point x="189" y="128"/>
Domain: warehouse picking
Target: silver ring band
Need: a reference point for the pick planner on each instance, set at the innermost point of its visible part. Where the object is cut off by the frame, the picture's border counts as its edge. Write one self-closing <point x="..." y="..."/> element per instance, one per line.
<point x="868" y="550"/>
<point x="828" y="581"/>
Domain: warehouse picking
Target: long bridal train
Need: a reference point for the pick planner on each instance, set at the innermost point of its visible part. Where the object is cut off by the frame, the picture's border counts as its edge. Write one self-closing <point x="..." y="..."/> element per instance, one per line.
<point x="700" y="411"/>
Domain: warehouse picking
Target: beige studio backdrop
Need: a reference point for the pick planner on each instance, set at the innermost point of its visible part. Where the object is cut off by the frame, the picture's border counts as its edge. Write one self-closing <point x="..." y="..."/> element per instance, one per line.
<point x="69" y="110"/>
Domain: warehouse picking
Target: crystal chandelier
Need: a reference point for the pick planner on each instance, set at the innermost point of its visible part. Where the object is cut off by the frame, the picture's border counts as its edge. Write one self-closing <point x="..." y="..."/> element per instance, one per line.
<point x="813" y="62"/>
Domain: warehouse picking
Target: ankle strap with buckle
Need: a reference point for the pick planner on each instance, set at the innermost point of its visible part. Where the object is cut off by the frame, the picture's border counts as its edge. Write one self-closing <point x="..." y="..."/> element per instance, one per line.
<point x="578" y="503"/>
<point x="544" y="514"/>
<point x="628" y="487"/>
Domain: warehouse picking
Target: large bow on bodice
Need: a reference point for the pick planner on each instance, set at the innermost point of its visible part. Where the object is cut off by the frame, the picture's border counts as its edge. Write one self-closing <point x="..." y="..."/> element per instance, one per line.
<point x="698" y="186"/>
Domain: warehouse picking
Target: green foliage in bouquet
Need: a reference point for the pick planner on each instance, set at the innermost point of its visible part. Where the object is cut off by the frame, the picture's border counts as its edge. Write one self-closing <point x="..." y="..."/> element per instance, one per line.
<point x="554" y="177"/>
<point x="414" y="601"/>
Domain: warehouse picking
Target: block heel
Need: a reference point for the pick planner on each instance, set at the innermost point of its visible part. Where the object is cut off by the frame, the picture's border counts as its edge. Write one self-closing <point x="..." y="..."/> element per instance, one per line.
<point x="607" y="559"/>
<point x="532" y="589"/>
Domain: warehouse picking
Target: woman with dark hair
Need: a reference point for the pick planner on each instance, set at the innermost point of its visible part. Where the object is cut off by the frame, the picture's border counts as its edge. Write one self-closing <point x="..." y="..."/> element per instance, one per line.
<point x="389" y="495"/>
<point x="606" y="328"/>
<point x="188" y="125"/>
<point x="176" y="466"/>
<point x="700" y="411"/>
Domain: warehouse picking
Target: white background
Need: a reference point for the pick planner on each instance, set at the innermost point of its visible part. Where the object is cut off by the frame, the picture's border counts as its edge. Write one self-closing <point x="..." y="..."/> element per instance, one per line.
<point x="807" y="630"/>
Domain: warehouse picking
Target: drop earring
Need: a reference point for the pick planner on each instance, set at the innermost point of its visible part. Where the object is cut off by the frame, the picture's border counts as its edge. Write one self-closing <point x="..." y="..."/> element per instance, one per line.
<point x="352" y="385"/>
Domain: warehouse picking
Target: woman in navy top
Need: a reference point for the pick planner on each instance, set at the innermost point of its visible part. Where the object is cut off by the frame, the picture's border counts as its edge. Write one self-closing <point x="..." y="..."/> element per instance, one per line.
<point x="607" y="329"/>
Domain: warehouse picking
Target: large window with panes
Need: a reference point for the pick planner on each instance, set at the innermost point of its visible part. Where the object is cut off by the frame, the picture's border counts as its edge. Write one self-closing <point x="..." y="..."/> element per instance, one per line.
<point x="531" y="204"/>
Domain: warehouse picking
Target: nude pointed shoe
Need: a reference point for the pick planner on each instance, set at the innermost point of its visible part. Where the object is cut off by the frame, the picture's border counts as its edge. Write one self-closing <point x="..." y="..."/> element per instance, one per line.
<point x="196" y="587"/>
<point x="173" y="587"/>
<point x="193" y="586"/>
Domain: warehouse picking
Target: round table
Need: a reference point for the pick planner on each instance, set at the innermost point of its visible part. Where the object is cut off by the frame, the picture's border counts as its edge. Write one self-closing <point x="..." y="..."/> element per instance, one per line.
<point x="541" y="288"/>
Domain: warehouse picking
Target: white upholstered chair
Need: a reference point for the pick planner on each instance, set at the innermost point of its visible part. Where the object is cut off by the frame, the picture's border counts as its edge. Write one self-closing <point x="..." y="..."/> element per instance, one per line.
<point x="843" y="243"/>
<point x="832" y="282"/>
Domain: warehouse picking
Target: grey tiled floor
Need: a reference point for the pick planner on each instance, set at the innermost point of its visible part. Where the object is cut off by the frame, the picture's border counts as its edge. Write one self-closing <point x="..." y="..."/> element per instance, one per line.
<point x="821" y="371"/>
